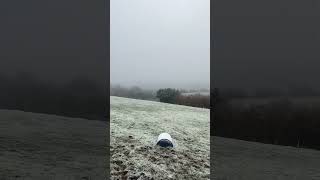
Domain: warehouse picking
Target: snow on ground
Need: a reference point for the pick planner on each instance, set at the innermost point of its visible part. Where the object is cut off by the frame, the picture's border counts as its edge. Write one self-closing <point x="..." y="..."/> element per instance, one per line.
<point x="134" y="126"/>
<point x="40" y="146"/>
<point x="243" y="160"/>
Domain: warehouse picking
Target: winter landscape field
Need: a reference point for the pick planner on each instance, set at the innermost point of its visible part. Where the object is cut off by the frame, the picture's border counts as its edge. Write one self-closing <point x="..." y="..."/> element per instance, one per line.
<point x="242" y="160"/>
<point x="135" y="125"/>
<point x="40" y="146"/>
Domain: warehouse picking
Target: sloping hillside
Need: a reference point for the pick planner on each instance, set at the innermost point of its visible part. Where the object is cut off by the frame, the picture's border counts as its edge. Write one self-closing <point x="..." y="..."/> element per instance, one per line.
<point x="135" y="124"/>
<point x="242" y="160"/>
<point x="40" y="146"/>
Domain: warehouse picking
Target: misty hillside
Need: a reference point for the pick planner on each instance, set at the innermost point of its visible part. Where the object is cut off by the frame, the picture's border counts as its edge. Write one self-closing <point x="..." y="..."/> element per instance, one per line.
<point x="135" y="124"/>
<point x="42" y="146"/>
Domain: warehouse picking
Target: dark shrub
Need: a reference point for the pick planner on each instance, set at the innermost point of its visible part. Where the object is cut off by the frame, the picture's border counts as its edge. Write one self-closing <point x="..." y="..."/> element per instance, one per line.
<point x="168" y="95"/>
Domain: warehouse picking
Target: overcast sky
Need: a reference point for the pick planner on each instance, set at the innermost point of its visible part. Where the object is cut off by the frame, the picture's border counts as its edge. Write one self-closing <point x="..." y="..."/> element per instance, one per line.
<point x="156" y="43"/>
<point x="274" y="43"/>
<point x="54" y="40"/>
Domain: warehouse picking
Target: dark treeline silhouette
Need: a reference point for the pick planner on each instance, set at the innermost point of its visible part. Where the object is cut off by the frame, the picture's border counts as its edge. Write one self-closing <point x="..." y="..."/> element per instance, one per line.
<point x="196" y="100"/>
<point x="80" y="97"/>
<point x="290" y="91"/>
<point x="134" y="92"/>
<point x="278" y="121"/>
<point x="166" y="95"/>
<point x="174" y="96"/>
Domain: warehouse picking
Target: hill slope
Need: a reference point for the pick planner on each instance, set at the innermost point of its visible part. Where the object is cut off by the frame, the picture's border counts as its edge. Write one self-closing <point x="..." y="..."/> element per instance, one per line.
<point x="42" y="146"/>
<point x="135" y="124"/>
<point x="243" y="160"/>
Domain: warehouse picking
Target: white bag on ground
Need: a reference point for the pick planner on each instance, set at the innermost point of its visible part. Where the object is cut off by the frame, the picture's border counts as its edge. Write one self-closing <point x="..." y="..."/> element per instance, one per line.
<point x="165" y="140"/>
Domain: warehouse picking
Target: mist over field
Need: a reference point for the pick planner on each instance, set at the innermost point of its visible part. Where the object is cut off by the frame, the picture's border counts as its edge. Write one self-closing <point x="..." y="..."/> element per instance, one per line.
<point x="157" y="47"/>
<point x="266" y="94"/>
<point x="53" y="89"/>
<point x="53" y="53"/>
<point x="158" y="44"/>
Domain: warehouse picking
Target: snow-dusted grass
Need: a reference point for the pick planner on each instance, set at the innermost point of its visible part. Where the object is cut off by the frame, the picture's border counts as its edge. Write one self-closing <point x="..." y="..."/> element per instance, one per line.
<point x="243" y="160"/>
<point x="135" y="124"/>
<point x="42" y="146"/>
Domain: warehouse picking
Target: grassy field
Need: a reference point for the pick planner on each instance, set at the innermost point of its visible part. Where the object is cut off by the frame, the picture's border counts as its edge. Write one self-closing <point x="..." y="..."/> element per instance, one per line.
<point x="243" y="160"/>
<point x="135" y="124"/>
<point x="39" y="146"/>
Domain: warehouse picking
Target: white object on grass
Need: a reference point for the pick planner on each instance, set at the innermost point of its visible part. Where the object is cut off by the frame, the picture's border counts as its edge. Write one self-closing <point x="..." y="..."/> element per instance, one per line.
<point x="165" y="137"/>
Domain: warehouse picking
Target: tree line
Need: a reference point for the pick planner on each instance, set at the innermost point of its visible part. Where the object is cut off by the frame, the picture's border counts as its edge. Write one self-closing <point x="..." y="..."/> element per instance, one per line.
<point x="276" y="122"/>
<point x="292" y="91"/>
<point x="80" y="97"/>
<point x="166" y="95"/>
<point x="134" y="92"/>
<point x="174" y="96"/>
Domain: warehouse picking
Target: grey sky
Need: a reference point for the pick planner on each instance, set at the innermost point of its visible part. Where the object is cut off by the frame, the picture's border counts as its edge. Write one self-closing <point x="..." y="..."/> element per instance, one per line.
<point x="54" y="40"/>
<point x="266" y="44"/>
<point x="160" y="42"/>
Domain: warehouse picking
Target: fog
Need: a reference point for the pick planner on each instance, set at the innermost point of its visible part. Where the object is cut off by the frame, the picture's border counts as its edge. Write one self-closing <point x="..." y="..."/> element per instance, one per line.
<point x="266" y="44"/>
<point x="53" y="57"/>
<point x="54" y="40"/>
<point x="160" y="43"/>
